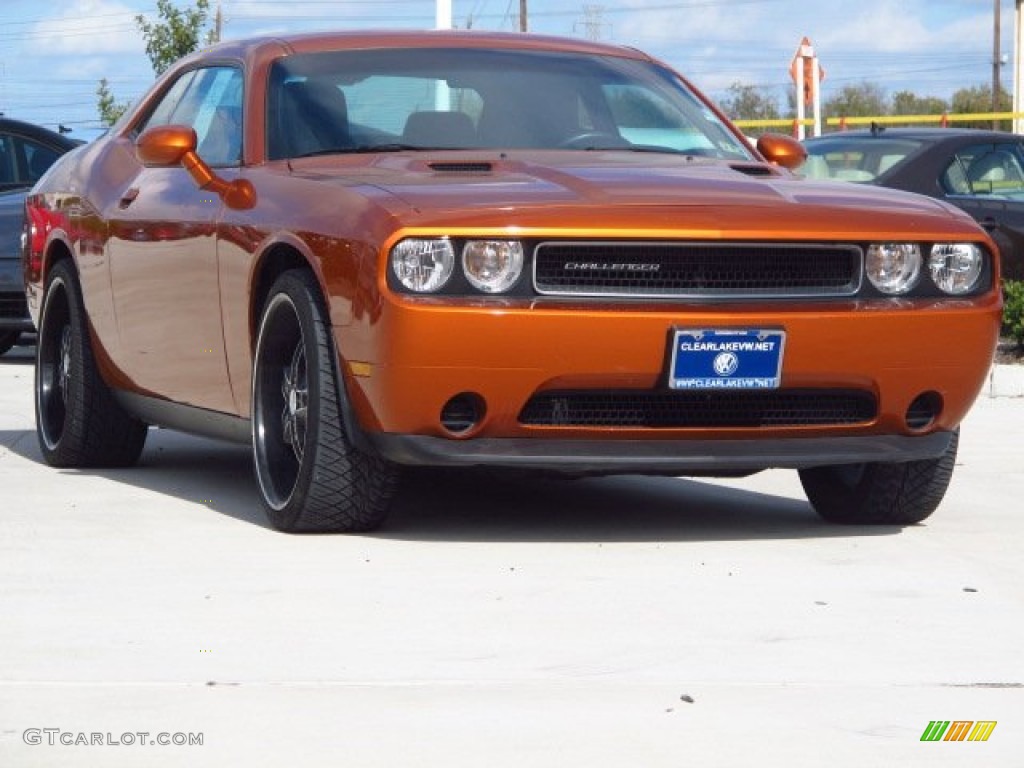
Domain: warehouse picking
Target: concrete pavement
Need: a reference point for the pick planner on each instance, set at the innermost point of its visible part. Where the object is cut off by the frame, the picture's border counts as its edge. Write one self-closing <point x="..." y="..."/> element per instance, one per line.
<point x="502" y="621"/>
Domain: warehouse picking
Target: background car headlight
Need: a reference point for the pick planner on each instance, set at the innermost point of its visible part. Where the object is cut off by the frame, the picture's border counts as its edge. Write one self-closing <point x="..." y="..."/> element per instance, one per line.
<point x="893" y="268"/>
<point x="955" y="267"/>
<point x="421" y="265"/>
<point x="492" y="266"/>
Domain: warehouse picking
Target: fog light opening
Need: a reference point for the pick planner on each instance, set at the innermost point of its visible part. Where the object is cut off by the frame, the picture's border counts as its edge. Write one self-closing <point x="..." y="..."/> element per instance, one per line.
<point x="923" y="411"/>
<point x="462" y="413"/>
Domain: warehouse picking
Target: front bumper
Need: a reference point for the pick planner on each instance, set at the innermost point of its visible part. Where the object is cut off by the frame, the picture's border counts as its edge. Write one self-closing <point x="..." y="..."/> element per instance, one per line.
<point x="675" y="457"/>
<point x="416" y="355"/>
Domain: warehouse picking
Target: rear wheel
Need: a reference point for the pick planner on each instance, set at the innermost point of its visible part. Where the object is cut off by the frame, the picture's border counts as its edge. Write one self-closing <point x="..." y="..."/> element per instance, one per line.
<point x="882" y="494"/>
<point x="78" y="421"/>
<point x="310" y="475"/>
<point x="8" y="339"/>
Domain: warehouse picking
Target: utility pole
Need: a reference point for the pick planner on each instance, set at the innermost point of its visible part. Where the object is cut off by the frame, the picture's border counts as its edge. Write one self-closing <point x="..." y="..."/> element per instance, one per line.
<point x="995" y="63"/>
<point x="443" y="14"/>
<point x="1018" y="68"/>
<point x="523" y="27"/>
<point x="218" y="24"/>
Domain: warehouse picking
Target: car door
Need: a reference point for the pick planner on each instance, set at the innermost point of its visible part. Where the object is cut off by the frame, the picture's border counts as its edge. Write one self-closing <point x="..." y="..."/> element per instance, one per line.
<point x="162" y="251"/>
<point x="987" y="181"/>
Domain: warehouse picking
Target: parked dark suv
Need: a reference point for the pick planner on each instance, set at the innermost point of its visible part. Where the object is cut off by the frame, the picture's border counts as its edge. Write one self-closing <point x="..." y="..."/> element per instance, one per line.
<point x="26" y="152"/>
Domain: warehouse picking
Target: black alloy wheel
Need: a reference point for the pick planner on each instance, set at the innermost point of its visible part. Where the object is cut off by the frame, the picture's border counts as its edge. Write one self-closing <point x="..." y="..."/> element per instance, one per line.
<point x="311" y="477"/>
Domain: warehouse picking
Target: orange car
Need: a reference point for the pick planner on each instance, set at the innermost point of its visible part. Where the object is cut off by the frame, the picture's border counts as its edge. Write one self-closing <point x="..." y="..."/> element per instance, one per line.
<point x="364" y="251"/>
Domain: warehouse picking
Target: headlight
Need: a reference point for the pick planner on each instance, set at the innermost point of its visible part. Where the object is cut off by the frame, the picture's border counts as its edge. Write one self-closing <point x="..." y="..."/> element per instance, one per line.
<point x="492" y="266"/>
<point x="421" y="265"/>
<point x="955" y="267"/>
<point x="893" y="268"/>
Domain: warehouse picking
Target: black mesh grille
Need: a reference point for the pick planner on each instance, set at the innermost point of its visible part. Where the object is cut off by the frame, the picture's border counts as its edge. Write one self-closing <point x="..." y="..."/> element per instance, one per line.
<point x="653" y="410"/>
<point x="697" y="269"/>
<point x="13" y="305"/>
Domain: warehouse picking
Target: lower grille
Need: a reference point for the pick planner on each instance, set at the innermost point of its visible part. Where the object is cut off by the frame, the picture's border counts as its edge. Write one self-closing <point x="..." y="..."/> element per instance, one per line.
<point x="13" y="306"/>
<point x="663" y="410"/>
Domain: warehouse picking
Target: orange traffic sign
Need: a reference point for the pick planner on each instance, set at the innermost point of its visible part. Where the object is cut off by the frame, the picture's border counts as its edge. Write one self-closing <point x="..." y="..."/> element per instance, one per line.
<point x="805" y="57"/>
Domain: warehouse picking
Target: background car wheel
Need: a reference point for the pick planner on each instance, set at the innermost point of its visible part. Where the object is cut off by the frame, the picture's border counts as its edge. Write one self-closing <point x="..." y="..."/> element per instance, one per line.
<point x="310" y="476"/>
<point x="892" y="494"/>
<point x="8" y="339"/>
<point x="78" y="422"/>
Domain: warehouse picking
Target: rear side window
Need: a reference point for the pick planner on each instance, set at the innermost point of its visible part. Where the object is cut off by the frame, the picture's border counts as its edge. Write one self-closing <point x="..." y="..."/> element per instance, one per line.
<point x="23" y="161"/>
<point x="8" y="162"/>
<point x="994" y="170"/>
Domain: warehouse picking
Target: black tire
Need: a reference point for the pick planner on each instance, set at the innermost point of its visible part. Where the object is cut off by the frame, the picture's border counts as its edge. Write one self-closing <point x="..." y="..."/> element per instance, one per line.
<point x="880" y="494"/>
<point x="311" y="477"/>
<point x="7" y="340"/>
<point x="78" y="421"/>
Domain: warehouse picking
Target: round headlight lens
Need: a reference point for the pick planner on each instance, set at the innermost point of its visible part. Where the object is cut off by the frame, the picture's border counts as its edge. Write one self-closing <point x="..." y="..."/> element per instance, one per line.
<point x="955" y="267"/>
<point x="893" y="268"/>
<point x="492" y="266"/>
<point x="421" y="265"/>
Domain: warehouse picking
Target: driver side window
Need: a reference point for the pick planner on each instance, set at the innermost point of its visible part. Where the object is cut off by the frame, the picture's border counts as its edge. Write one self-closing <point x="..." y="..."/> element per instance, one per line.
<point x="209" y="100"/>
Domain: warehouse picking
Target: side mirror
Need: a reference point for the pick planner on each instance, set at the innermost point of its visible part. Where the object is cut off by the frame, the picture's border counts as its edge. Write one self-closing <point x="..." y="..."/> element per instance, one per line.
<point x="165" y="146"/>
<point x="782" y="150"/>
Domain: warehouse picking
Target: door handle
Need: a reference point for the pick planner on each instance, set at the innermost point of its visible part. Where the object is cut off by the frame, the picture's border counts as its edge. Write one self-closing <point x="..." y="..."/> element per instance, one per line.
<point x="128" y="197"/>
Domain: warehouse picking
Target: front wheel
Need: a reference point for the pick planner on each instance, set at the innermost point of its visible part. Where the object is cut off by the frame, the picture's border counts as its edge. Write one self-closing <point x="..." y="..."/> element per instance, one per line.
<point x="880" y="494"/>
<point x="310" y="476"/>
<point x="78" y="421"/>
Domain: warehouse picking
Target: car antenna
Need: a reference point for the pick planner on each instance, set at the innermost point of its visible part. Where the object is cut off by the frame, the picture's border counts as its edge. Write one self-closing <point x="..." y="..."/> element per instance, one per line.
<point x="876" y="129"/>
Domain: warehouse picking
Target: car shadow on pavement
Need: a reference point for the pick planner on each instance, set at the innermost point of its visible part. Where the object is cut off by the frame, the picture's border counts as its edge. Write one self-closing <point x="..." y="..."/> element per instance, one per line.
<point x="215" y="474"/>
<point x="451" y="505"/>
<point x="22" y="353"/>
<point x="20" y="361"/>
<point x="487" y="506"/>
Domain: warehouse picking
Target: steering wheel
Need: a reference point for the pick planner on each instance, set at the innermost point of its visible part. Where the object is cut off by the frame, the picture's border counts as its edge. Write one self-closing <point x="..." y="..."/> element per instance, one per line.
<point x="593" y="140"/>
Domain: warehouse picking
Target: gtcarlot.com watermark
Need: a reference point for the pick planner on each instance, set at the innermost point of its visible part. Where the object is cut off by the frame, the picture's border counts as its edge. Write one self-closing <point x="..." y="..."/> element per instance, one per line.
<point x="56" y="736"/>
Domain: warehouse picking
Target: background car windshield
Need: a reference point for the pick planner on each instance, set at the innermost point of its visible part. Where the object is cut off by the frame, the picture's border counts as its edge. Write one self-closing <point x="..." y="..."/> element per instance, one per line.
<point x="475" y="98"/>
<point x="855" y="159"/>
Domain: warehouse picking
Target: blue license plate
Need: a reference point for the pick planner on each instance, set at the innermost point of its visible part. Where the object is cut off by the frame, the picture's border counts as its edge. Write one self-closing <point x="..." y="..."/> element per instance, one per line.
<point x="726" y="359"/>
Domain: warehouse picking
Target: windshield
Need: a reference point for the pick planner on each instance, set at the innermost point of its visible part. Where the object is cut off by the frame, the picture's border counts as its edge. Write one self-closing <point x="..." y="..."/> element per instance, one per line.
<point x="469" y="98"/>
<point x="855" y="158"/>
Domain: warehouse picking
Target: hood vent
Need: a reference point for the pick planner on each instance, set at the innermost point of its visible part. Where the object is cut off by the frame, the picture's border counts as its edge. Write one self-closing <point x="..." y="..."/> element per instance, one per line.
<point x="755" y="170"/>
<point x="463" y="167"/>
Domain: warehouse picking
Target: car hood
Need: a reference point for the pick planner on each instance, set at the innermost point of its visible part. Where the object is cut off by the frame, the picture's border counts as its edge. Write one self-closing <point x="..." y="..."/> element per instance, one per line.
<point x="629" y="190"/>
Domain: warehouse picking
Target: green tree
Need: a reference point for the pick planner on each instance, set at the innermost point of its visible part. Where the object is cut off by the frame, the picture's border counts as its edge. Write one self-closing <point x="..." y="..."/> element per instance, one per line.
<point x="909" y="103"/>
<point x="747" y="102"/>
<point x="978" y="99"/>
<point x="862" y="100"/>
<point x="109" y="108"/>
<point x="177" y="34"/>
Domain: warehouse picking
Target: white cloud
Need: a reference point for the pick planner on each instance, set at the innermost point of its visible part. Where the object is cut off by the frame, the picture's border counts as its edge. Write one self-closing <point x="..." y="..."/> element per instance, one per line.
<point x="87" y="27"/>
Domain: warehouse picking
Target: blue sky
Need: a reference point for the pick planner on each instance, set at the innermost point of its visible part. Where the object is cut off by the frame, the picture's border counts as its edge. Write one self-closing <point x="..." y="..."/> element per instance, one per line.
<point x="52" y="54"/>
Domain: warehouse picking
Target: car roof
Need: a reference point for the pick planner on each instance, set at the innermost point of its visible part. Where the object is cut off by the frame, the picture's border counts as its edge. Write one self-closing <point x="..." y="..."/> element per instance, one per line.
<point x="272" y="45"/>
<point x="929" y="135"/>
<point x="37" y="133"/>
